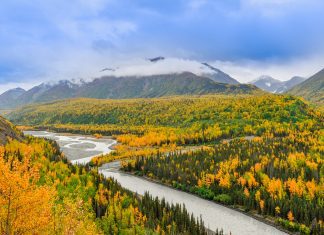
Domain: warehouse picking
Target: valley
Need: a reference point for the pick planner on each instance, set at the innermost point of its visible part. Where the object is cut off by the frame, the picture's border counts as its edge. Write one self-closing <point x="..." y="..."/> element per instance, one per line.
<point x="174" y="117"/>
<point x="268" y="175"/>
<point x="230" y="221"/>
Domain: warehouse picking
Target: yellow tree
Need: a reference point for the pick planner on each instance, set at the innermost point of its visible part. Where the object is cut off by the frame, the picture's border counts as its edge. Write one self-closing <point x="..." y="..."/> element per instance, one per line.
<point x="25" y="207"/>
<point x="73" y="217"/>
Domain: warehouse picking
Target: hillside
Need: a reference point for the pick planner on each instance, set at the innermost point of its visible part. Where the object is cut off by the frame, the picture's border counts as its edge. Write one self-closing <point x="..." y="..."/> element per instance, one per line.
<point x="312" y="89"/>
<point x="158" y="86"/>
<point x="42" y="193"/>
<point x="9" y="98"/>
<point x="186" y="115"/>
<point x="275" y="170"/>
<point x="128" y="87"/>
<point x="7" y="130"/>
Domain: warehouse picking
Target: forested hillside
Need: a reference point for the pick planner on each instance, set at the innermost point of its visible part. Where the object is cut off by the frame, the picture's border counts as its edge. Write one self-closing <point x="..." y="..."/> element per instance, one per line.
<point x="194" y="144"/>
<point x="191" y="118"/>
<point x="41" y="193"/>
<point x="8" y="131"/>
<point x="277" y="176"/>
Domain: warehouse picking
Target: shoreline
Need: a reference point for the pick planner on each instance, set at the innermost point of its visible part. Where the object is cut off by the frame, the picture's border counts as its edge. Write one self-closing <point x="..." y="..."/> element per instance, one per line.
<point x="84" y="160"/>
<point x="255" y="216"/>
<point x="71" y="134"/>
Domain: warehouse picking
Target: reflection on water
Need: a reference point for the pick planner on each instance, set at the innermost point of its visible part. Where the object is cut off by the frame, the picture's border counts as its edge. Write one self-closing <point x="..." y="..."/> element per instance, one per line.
<point x="77" y="148"/>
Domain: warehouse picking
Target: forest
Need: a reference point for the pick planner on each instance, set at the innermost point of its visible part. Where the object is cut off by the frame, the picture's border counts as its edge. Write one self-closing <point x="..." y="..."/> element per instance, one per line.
<point x="42" y="193"/>
<point x="281" y="177"/>
<point x="260" y="154"/>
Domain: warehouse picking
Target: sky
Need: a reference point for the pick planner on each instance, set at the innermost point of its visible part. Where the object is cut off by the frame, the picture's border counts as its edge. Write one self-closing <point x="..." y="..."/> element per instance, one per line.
<point x="59" y="39"/>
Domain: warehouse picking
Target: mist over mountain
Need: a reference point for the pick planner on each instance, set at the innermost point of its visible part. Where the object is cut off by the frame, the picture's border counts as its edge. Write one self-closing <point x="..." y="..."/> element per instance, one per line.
<point x="218" y="75"/>
<point x="270" y="84"/>
<point x="153" y="77"/>
<point x="185" y="83"/>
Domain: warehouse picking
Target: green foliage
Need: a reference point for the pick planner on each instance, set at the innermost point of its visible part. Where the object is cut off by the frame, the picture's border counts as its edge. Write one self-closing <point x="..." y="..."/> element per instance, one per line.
<point x="261" y="174"/>
<point x="86" y="202"/>
<point x="223" y="198"/>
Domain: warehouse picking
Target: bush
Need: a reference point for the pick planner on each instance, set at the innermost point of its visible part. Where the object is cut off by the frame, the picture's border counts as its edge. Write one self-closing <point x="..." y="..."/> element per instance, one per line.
<point x="223" y="198"/>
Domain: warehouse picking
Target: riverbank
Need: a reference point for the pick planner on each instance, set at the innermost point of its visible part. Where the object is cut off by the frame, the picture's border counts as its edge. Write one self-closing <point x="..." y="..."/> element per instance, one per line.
<point x="213" y="214"/>
<point x="254" y="215"/>
<point x="79" y="149"/>
<point x="219" y="212"/>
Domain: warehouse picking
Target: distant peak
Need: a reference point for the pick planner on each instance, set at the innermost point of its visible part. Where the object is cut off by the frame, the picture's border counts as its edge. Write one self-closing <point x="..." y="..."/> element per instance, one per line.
<point x="156" y="59"/>
<point x="18" y="89"/>
<point x="210" y="67"/>
<point x="297" y="78"/>
<point x="265" y="78"/>
<point x="108" y="69"/>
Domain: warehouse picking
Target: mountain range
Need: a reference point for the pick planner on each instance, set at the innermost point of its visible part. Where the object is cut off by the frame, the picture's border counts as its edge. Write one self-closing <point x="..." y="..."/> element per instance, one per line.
<point x="185" y="83"/>
<point x="9" y="98"/>
<point x="272" y="85"/>
<point x="218" y="75"/>
<point x="312" y="89"/>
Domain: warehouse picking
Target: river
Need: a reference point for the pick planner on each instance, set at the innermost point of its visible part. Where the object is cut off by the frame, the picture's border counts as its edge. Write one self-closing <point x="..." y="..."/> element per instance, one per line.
<point x="80" y="149"/>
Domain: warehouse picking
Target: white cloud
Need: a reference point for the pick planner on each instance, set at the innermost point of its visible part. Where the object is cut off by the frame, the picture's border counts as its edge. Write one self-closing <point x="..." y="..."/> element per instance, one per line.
<point x="87" y="65"/>
<point x="169" y="65"/>
<point x="245" y="71"/>
<point x="196" y="4"/>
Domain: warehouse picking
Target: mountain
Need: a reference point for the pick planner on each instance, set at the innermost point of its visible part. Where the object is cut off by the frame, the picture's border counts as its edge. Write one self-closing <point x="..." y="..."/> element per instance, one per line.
<point x="218" y="75"/>
<point x="185" y="83"/>
<point x="294" y="81"/>
<point x="311" y="89"/>
<point x="7" y="130"/>
<point x="8" y="99"/>
<point x="156" y="59"/>
<point x="196" y="67"/>
<point x="48" y="92"/>
<point x="156" y="86"/>
<point x="272" y="85"/>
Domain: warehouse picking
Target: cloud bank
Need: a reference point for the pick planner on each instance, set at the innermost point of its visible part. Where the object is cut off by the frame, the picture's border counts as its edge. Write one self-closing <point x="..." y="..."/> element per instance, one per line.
<point x="58" y="39"/>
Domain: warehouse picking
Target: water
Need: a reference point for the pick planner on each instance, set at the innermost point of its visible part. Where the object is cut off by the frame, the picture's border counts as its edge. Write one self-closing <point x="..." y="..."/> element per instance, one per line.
<point x="80" y="149"/>
<point x="213" y="215"/>
<point x="77" y="148"/>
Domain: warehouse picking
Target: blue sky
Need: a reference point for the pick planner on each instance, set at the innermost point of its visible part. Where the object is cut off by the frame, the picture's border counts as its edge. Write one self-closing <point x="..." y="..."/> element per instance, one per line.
<point x="59" y="39"/>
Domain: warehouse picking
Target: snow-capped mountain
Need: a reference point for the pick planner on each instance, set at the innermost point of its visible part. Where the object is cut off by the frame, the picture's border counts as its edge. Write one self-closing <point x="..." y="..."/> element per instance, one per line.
<point x="113" y="87"/>
<point x="272" y="85"/>
<point x="162" y="65"/>
<point x="154" y="77"/>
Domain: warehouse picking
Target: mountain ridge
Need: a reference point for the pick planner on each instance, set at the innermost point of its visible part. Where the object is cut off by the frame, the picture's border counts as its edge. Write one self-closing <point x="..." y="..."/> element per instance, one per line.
<point x="270" y="84"/>
<point x="311" y="89"/>
<point x="10" y="96"/>
<point x="185" y="83"/>
<point x="218" y="75"/>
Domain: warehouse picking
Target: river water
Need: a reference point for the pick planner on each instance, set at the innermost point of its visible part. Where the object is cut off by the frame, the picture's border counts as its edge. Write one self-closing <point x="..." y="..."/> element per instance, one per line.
<point x="80" y="149"/>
